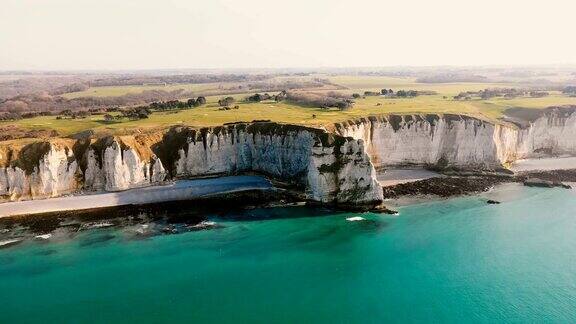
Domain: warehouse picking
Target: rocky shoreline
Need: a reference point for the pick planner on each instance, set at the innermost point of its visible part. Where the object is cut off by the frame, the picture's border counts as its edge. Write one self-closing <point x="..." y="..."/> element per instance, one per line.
<point x="568" y="175"/>
<point x="193" y="215"/>
<point x="458" y="185"/>
<point x="444" y="187"/>
<point x="168" y="217"/>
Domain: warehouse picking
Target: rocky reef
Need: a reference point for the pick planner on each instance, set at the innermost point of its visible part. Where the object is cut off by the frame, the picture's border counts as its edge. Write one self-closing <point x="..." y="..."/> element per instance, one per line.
<point x="330" y="168"/>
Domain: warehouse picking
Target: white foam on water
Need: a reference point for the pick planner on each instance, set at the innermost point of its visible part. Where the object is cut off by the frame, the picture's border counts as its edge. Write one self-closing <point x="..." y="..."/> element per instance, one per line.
<point x="204" y="224"/>
<point x="9" y="242"/>
<point x="99" y="225"/>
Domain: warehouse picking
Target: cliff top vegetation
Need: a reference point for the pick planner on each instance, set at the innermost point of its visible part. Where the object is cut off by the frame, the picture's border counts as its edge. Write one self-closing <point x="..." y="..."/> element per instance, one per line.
<point x="314" y="99"/>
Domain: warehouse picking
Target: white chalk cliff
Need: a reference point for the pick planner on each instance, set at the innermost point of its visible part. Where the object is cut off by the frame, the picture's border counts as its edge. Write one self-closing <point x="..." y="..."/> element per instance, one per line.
<point x="332" y="167"/>
<point x="45" y="170"/>
<point x="461" y="141"/>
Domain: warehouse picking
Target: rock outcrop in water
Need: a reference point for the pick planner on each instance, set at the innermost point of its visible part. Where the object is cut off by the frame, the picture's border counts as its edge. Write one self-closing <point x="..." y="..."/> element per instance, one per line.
<point x="331" y="168"/>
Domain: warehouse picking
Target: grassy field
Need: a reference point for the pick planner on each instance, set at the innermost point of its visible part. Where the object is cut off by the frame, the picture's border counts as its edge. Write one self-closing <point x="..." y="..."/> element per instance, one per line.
<point x="376" y="83"/>
<point x="115" y="91"/>
<point x="209" y="115"/>
<point x="202" y="88"/>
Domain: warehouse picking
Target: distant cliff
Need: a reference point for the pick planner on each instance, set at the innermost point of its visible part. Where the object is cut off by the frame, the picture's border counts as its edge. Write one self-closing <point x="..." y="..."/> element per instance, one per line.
<point x="462" y="141"/>
<point x="331" y="168"/>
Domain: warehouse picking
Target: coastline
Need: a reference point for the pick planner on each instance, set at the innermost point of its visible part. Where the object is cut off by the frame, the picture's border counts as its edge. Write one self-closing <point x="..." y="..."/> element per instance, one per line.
<point x="415" y="186"/>
<point x="454" y="184"/>
<point x="192" y="205"/>
<point x="400" y="187"/>
<point x="395" y="176"/>
<point x="177" y="191"/>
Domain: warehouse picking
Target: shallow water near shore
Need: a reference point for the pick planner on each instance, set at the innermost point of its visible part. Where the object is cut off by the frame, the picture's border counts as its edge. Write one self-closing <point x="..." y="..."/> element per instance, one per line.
<point x="457" y="260"/>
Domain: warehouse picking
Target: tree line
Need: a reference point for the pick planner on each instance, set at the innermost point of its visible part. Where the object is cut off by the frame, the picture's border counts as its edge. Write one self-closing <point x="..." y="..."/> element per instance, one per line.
<point x="389" y="93"/>
<point x="507" y="93"/>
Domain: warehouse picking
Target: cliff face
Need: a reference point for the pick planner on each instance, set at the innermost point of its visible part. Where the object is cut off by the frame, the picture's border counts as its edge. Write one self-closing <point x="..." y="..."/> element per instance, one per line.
<point x="331" y="168"/>
<point x="120" y="163"/>
<point x="46" y="169"/>
<point x="553" y="133"/>
<point x="430" y="139"/>
<point x="336" y="167"/>
<point x="461" y="141"/>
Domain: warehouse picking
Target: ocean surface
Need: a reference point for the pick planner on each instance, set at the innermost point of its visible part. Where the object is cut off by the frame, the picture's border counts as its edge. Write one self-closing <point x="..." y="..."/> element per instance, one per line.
<point x="451" y="261"/>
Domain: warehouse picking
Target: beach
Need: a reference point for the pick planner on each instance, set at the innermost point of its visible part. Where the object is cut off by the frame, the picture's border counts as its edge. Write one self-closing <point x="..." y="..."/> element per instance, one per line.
<point x="391" y="177"/>
<point x="544" y="164"/>
<point x="179" y="190"/>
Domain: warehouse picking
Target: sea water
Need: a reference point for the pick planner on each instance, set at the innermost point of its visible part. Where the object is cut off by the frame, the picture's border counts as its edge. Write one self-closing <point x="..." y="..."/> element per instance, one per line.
<point x="452" y="261"/>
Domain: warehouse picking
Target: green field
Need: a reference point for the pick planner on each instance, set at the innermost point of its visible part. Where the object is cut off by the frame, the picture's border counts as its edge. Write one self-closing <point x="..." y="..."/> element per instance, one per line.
<point x="375" y="83"/>
<point x="209" y="115"/>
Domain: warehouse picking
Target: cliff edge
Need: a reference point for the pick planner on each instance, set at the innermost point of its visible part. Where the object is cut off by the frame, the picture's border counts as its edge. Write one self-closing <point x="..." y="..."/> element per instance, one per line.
<point x="448" y="140"/>
<point x="330" y="168"/>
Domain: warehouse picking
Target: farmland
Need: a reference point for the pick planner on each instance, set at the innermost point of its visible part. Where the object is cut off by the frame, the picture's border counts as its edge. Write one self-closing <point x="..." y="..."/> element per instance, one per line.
<point x="114" y="91"/>
<point x="210" y="114"/>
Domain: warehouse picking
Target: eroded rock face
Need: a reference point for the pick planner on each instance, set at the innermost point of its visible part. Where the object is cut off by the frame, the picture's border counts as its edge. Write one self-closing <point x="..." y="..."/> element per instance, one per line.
<point x="285" y="155"/>
<point x="427" y="140"/>
<point x="553" y="133"/>
<point x="332" y="169"/>
<point x="119" y="168"/>
<point x="461" y="141"/>
<point x="43" y="170"/>
<point x="344" y="174"/>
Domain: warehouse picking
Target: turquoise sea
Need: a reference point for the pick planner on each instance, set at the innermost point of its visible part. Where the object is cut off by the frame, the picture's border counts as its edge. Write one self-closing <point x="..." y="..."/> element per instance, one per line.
<point x="451" y="261"/>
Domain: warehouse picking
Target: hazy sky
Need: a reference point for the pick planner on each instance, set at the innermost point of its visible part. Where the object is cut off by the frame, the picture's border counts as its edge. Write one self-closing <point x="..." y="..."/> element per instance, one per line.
<point x="143" y="34"/>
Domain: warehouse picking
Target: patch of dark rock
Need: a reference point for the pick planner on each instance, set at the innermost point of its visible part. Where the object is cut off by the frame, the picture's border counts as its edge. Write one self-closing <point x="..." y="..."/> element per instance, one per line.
<point x="319" y="236"/>
<point x="451" y="118"/>
<point x="188" y="212"/>
<point x="395" y="121"/>
<point x="370" y="225"/>
<point x="90" y="241"/>
<point x="540" y="183"/>
<point x="568" y="175"/>
<point x="443" y="167"/>
<point x="357" y="193"/>
<point x="83" y="135"/>
<point x="46" y="252"/>
<point x="170" y="229"/>
<point x="492" y="202"/>
<point x="444" y="186"/>
<point x="381" y="209"/>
